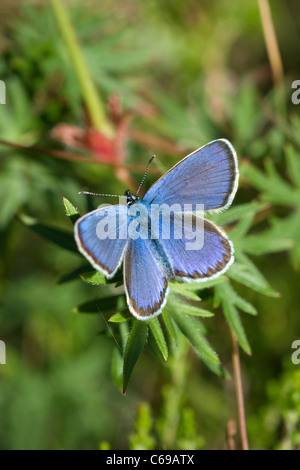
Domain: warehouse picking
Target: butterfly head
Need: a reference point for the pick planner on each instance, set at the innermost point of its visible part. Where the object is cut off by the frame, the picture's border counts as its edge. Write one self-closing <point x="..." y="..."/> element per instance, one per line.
<point x="131" y="198"/>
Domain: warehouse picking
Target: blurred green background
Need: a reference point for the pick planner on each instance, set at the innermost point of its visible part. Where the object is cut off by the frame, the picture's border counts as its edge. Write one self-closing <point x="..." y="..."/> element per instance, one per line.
<point x="171" y="76"/>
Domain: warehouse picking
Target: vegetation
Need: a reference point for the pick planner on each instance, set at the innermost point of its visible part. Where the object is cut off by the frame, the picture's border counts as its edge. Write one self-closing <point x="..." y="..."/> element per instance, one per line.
<point x="91" y="92"/>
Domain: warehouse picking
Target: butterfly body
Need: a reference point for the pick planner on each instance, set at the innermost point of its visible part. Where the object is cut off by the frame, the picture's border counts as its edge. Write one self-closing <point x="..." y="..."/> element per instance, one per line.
<point x="159" y="237"/>
<point x="131" y="198"/>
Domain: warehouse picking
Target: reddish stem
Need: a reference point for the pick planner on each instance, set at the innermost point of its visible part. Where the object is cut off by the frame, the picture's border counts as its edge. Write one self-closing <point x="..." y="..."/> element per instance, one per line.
<point x="239" y="390"/>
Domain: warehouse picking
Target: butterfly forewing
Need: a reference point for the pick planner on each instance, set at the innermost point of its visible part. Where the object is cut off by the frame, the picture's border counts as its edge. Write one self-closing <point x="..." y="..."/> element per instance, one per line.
<point x="208" y="176"/>
<point x="101" y="237"/>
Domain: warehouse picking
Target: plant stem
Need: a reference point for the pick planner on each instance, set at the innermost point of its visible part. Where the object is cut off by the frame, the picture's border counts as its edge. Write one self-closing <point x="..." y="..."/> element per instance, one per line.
<point x="173" y="396"/>
<point x="273" y="53"/>
<point x="76" y="157"/>
<point x="271" y="41"/>
<point x="91" y="97"/>
<point x="239" y="390"/>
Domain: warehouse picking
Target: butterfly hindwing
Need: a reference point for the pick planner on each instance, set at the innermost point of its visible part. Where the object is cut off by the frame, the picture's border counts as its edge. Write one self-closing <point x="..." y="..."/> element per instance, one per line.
<point x="145" y="278"/>
<point x="205" y="253"/>
<point x="208" y="176"/>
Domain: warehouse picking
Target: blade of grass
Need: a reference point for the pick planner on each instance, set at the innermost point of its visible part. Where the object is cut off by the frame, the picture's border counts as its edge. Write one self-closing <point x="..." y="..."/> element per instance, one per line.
<point x="134" y="346"/>
<point x="90" y="94"/>
<point x="158" y="335"/>
<point x="58" y="237"/>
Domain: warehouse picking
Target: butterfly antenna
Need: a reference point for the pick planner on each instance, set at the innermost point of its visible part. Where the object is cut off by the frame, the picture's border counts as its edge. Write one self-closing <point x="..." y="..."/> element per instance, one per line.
<point x="96" y="194"/>
<point x="144" y="177"/>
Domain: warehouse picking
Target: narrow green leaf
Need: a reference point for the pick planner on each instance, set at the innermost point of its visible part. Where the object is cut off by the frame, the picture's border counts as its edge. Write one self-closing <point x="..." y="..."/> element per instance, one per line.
<point x="120" y="317"/>
<point x="104" y="305"/>
<point x="73" y="275"/>
<point x="252" y="278"/>
<point x="117" y="368"/>
<point x="186" y="308"/>
<point x="228" y="297"/>
<point x="233" y="318"/>
<point x="59" y="237"/>
<point x="244" y="305"/>
<point x="211" y="282"/>
<point x="124" y="333"/>
<point x="152" y="344"/>
<point x="134" y="346"/>
<point x="237" y="212"/>
<point x="182" y="286"/>
<point x="93" y="277"/>
<point x="290" y="226"/>
<point x="273" y="187"/>
<point x="234" y="298"/>
<point x="242" y="227"/>
<point x="266" y="242"/>
<point x="189" y="289"/>
<point x="171" y="327"/>
<point x="293" y="165"/>
<point x="273" y="174"/>
<point x="157" y="332"/>
<point x="182" y="289"/>
<point x="193" y="330"/>
<point x="71" y="210"/>
<point x="184" y="292"/>
<point x="190" y="328"/>
<point x="195" y="311"/>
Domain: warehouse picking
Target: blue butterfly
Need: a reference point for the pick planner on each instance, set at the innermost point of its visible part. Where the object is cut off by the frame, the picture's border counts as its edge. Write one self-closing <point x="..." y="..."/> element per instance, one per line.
<point x="207" y="177"/>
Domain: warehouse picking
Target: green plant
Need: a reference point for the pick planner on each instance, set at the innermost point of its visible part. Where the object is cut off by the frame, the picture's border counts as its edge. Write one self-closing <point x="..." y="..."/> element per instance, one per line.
<point x="177" y="106"/>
